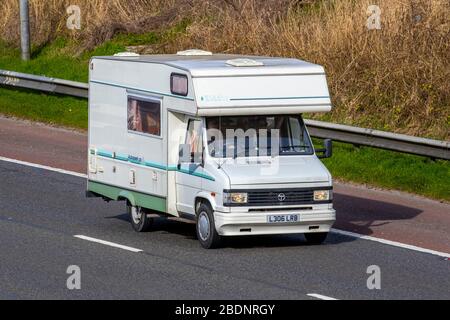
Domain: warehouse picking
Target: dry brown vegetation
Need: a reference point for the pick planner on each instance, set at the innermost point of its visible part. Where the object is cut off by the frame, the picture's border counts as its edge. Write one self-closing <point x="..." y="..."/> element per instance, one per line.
<point x="396" y="78"/>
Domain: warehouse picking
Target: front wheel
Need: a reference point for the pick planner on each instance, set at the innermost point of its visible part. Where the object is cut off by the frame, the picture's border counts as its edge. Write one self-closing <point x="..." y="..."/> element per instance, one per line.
<point x="139" y="218"/>
<point x="316" y="238"/>
<point x="206" y="229"/>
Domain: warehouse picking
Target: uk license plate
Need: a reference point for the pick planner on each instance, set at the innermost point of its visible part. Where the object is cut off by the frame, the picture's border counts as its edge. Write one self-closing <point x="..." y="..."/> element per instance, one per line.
<point x="283" y="218"/>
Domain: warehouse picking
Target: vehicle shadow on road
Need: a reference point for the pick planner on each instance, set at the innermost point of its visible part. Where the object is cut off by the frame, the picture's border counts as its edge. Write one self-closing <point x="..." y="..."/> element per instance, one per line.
<point x="361" y="215"/>
<point x="187" y="232"/>
<point x="166" y="226"/>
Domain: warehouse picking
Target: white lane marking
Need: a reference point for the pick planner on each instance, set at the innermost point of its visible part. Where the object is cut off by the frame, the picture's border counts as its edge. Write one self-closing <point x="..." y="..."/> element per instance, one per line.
<point x="319" y="296"/>
<point x="39" y="166"/>
<point x="391" y="243"/>
<point x="107" y="243"/>
<point x="342" y="232"/>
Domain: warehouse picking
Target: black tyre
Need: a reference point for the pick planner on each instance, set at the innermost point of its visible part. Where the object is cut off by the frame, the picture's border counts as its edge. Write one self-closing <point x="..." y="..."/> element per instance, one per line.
<point x="139" y="218"/>
<point x="316" y="238"/>
<point x="206" y="229"/>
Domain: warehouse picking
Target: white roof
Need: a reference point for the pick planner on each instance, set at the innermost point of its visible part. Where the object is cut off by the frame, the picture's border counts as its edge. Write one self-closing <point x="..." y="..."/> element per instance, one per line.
<point x="218" y="65"/>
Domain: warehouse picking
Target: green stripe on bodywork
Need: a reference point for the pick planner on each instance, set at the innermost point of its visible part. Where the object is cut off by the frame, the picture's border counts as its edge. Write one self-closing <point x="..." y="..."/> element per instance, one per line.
<point x="155" y="165"/>
<point x="121" y="158"/>
<point x="279" y="98"/>
<point x="137" y="198"/>
<point x="196" y="174"/>
<point x="105" y="154"/>
<point x="109" y="155"/>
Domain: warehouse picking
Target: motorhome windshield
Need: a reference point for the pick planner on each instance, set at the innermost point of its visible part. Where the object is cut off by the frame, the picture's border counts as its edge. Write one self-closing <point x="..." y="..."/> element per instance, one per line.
<point x="260" y="135"/>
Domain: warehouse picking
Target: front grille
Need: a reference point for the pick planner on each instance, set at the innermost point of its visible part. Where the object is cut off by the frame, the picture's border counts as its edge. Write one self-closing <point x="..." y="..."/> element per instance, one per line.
<point x="281" y="197"/>
<point x="274" y="198"/>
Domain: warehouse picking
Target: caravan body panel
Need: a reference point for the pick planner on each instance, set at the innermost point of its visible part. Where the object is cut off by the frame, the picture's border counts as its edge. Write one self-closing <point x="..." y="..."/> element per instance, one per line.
<point x="144" y="168"/>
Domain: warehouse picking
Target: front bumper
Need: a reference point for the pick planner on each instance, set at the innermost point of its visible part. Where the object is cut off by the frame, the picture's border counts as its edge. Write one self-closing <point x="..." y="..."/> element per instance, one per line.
<point x="255" y="223"/>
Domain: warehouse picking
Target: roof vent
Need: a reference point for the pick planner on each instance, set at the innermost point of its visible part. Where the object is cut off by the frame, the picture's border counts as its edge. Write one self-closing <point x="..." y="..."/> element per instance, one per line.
<point x="194" y="52"/>
<point x="245" y="63"/>
<point x="127" y="54"/>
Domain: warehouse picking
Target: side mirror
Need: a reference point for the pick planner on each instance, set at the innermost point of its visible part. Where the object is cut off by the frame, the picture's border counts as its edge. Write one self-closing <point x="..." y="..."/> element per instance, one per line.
<point x="327" y="152"/>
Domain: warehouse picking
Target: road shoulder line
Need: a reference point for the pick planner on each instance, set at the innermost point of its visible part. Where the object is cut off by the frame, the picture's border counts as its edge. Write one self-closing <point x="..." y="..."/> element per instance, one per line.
<point x="390" y="243"/>
<point x="39" y="166"/>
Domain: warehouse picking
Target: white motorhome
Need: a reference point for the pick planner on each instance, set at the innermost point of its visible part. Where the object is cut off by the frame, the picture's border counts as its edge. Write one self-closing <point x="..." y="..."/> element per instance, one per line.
<point x="160" y="139"/>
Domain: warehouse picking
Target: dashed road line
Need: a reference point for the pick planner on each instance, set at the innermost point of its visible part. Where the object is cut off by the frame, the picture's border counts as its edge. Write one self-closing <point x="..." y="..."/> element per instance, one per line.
<point x="107" y="243"/>
<point x="39" y="166"/>
<point x="320" y="296"/>
<point x="390" y="243"/>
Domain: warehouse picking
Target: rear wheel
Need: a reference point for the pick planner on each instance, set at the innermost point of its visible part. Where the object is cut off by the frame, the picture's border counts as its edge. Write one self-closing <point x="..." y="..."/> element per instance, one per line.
<point x="316" y="238"/>
<point x="139" y="218"/>
<point x="206" y="229"/>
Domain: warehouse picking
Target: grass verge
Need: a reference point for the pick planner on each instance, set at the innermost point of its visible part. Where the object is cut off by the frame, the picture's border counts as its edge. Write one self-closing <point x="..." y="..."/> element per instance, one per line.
<point x="58" y="59"/>
<point x="55" y="110"/>
<point x="391" y="170"/>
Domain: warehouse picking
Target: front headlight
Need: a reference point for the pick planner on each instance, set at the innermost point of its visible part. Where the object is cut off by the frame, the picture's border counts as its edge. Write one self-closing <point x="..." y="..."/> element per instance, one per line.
<point x="235" y="198"/>
<point x="322" y="195"/>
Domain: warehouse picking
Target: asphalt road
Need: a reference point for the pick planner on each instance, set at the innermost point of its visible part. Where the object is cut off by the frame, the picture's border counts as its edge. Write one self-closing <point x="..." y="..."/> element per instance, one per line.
<point x="41" y="211"/>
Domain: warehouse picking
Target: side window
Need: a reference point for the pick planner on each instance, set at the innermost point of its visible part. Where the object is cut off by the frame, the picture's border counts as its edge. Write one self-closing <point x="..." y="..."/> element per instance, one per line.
<point x="194" y="139"/>
<point x="299" y="139"/>
<point x="179" y="84"/>
<point x="144" y="116"/>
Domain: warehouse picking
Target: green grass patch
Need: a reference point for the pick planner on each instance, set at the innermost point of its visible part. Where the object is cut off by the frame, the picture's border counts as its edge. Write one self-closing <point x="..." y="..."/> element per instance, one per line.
<point x="52" y="60"/>
<point x="60" y="59"/>
<point x="391" y="170"/>
<point x="56" y="110"/>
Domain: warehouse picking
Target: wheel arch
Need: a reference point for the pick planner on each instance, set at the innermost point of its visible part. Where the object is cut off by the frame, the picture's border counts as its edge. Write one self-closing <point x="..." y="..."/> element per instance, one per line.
<point x="206" y="198"/>
<point x="128" y="196"/>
